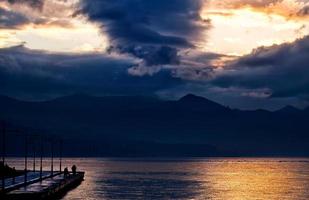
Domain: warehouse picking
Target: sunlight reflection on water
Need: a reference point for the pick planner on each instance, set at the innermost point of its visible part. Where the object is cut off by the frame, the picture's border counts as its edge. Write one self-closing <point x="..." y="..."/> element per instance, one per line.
<point x="214" y="179"/>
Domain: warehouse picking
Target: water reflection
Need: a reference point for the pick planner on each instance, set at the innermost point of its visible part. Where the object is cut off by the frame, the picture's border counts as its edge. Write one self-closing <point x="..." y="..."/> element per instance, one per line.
<point x="151" y="188"/>
<point x="259" y="179"/>
<point x="147" y="180"/>
<point x="214" y="179"/>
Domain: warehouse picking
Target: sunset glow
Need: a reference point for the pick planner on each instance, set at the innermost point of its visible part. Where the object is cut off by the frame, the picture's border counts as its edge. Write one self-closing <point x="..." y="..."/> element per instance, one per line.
<point x="81" y="37"/>
<point x="209" y="46"/>
<point x="239" y="31"/>
<point x="236" y="28"/>
<point x="53" y="29"/>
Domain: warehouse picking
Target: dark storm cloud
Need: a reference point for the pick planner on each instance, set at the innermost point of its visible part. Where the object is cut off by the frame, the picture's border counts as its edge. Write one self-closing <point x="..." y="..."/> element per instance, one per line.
<point x="48" y="75"/>
<point x="282" y="68"/>
<point x="147" y="22"/>
<point x="9" y="19"/>
<point x="269" y="77"/>
<point x="152" y="55"/>
<point x="148" y="28"/>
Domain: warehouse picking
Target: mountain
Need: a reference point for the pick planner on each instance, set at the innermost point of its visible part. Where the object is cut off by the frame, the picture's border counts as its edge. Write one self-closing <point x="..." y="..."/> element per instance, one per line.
<point x="148" y="126"/>
<point x="289" y="110"/>
<point x="193" y="99"/>
<point x="200" y="104"/>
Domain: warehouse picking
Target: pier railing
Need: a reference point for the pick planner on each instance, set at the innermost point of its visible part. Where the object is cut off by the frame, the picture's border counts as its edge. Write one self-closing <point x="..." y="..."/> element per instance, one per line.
<point x="36" y="144"/>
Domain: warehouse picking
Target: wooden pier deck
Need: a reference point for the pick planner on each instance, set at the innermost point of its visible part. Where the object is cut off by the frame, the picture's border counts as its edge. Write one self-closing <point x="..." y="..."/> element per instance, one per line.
<point x="47" y="188"/>
<point x="11" y="184"/>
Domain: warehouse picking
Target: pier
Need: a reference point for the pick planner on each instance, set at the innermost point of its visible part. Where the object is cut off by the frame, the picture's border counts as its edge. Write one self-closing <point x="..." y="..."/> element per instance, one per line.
<point x="47" y="188"/>
<point x="35" y="183"/>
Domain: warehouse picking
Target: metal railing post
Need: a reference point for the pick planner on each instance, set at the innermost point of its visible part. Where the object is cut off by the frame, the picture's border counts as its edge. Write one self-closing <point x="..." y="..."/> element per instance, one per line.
<point x="60" y="156"/>
<point x="34" y="157"/>
<point x="3" y="153"/>
<point x="26" y="155"/>
<point x="52" y="158"/>
<point x="41" y="159"/>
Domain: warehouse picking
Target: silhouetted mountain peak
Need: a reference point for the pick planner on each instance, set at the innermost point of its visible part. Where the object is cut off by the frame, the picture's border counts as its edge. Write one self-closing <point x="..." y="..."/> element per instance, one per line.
<point x="200" y="103"/>
<point x="192" y="98"/>
<point x="289" y="109"/>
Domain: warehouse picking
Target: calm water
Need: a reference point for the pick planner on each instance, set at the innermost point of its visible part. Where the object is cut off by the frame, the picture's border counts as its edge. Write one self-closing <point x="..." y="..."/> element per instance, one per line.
<point x="214" y="179"/>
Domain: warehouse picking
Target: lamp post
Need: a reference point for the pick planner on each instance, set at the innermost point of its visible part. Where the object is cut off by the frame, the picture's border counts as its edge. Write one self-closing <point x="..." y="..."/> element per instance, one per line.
<point x="34" y="156"/>
<point x="60" y="155"/>
<point x="26" y="157"/>
<point x="41" y="159"/>
<point x="3" y="153"/>
<point x="52" y="158"/>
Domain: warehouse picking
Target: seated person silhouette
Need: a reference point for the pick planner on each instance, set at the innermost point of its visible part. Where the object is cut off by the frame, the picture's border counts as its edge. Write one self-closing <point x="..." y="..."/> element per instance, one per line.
<point x="66" y="172"/>
<point x="74" y="169"/>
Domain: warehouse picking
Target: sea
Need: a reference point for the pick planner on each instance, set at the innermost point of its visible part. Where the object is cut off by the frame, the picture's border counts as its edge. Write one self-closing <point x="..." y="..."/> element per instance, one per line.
<point x="185" y="178"/>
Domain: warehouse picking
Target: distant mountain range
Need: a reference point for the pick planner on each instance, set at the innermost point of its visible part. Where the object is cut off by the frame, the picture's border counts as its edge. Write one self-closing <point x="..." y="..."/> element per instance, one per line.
<point x="148" y="126"/>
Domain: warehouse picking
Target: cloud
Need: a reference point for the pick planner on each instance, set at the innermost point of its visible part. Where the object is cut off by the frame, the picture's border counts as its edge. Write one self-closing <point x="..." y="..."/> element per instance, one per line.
<point x="269" y="77"/>
<point x="153" y="30"/>
<point x="47" y="75"/>
<point x="253" y="3"/>
<point x="304" y="11"/>
<point x="11" y="20"/>
<point x="246" y="83"/>
<point x="290" y="9"/>
<point x="32" y="3"/>
<point x="154" y="48"/>
<point x="145" y="22"/>
<point x="283" y="69"/>
<point x="37" y="13"/>
<point x="152" y="55"/>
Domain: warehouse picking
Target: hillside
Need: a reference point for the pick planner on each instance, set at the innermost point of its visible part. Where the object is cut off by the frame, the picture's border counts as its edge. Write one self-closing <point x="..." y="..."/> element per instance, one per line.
<point x="141" y="126"/>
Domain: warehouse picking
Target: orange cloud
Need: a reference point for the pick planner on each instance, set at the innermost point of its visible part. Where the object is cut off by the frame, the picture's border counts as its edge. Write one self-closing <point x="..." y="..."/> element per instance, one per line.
<point x="289" y="9"/>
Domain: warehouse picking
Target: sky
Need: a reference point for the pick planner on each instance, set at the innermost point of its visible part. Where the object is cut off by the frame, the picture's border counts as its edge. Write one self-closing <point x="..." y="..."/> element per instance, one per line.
<point x="246" y="54"/>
